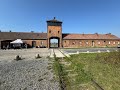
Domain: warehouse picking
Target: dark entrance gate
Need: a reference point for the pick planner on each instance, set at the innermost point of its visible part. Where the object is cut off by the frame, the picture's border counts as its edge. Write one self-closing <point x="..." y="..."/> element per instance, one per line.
<point x="54" y="42"/>
<point x="5" y="44"/>
<point x="33" y="43"/>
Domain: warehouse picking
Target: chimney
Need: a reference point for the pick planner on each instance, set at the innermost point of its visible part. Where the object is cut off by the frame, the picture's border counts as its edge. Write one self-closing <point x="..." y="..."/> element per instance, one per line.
<point x="83" y="34"/>
<point x="54" y="18"/>
<point x="108" y="34"/>
<point x="96" y="34"/>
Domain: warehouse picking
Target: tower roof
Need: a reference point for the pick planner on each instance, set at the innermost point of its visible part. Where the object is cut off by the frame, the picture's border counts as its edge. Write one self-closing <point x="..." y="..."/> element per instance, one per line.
<point x="54" y="20"/>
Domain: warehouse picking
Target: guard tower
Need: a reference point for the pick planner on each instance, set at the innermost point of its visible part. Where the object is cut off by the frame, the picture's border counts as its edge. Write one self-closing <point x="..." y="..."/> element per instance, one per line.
<point x="54" y="31"/>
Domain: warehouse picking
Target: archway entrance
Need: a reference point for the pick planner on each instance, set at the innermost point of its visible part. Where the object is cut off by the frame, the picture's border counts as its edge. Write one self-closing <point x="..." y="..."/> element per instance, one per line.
<point x="54" y="42"/>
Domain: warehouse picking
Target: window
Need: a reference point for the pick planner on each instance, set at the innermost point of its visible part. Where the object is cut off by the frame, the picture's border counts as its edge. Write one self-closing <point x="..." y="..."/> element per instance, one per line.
<point x="73" y="43"/>
<point x="98" y="42"/>
<point x="58" y="31"/>
<point x="109" y="42"/>
<point x="118" y="42"/>
<point x="41" y="42"/>
<point x="50" y="31"/>
<point x="113" y="42"/>
<point x="87" y="42"/>
<point x="80" y="42"/>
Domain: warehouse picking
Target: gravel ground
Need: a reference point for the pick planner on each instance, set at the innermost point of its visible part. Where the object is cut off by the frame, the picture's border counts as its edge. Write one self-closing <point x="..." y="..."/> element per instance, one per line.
<point x="26" y="74"/>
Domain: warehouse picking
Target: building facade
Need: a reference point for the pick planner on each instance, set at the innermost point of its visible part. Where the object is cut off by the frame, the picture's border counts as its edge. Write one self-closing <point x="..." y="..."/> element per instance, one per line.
<point x="64" y="40"/>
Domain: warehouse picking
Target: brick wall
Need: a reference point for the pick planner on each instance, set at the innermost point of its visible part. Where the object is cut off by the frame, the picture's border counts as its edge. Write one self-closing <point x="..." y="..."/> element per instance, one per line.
<point x="90" y="43"/>
<point x="37" y="42"/>
<point x="54" y="31"/>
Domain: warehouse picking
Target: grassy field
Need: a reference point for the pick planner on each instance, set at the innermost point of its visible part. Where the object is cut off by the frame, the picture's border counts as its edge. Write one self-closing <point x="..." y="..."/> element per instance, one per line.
<point x="103" y="68"/>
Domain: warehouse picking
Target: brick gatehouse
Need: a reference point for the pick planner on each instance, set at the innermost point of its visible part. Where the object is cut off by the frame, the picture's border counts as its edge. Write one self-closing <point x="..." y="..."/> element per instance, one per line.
<point x="64" y="40"/>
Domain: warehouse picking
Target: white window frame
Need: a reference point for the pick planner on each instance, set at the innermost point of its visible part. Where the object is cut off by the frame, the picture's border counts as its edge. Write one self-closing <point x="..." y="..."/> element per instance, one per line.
<point x="118" y="42"/>
<point x="99" y="42"/>
<point x="80" y="42"/>
<point x="114" y="42"/>
<point x="87" y="42"/>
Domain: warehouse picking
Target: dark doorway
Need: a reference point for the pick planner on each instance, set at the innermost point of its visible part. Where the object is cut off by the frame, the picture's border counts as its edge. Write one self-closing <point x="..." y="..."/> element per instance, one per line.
<point x="33" y="43"/>
<point x="5" y="44"/>
<point x="93" y="43"/>
<point x="54" y="42"/>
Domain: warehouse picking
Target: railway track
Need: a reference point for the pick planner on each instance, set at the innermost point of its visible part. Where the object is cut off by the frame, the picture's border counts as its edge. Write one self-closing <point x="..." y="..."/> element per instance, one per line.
<point x="57" y="53"/>
<point x="60" y="72"/>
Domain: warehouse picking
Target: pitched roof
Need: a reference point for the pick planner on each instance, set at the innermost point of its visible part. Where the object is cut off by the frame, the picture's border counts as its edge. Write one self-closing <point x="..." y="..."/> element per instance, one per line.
<point x="22" y="35"/>
<point x="54" y="20"/>
<point x="89" y="36"/>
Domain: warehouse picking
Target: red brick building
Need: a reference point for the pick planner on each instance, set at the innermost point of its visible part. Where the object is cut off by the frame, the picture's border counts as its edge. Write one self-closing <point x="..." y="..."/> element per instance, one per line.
<point x="54" y="31"/>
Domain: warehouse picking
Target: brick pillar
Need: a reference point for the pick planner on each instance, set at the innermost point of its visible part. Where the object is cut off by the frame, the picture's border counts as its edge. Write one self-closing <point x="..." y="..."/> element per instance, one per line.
<point x="48" y="43"/>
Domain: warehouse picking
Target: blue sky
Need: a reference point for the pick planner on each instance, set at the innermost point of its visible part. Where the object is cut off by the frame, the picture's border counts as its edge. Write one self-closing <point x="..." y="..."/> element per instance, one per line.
<point x="78" y="16"/>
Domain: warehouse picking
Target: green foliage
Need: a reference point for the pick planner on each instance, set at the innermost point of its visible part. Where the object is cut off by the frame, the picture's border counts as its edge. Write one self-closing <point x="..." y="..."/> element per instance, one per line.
<point x="61" y="74"/>
<point x="112" y="58"/>
<point x="102" y="67"/>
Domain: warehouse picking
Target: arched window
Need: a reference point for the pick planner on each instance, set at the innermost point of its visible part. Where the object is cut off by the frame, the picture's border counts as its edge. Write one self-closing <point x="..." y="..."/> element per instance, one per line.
<point x="73" y="43"/>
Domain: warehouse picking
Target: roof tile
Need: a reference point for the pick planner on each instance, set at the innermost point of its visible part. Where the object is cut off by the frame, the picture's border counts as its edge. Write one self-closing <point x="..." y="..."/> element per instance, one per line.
<point x="89" y="36"/>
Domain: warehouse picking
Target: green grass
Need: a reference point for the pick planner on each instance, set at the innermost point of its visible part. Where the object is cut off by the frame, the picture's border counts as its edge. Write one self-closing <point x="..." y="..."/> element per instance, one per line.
<point x="60" y="73"/>
<point x="102" y="67"/>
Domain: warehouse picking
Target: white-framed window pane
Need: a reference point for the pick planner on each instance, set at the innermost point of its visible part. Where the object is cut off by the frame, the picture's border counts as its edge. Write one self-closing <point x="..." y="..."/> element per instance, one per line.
<point x="86" y="42"/>
<point x="113" y="42"/>
<point x="118" y="42"/>
<point x="98" y="42"/>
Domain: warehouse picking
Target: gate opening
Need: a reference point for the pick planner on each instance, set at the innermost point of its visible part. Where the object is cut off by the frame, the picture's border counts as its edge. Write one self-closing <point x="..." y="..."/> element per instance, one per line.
<point x="54" y="42"/>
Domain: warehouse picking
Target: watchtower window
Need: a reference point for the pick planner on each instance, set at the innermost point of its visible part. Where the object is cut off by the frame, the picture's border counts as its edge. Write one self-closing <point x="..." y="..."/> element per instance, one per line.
<point x="50" y="31"/>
